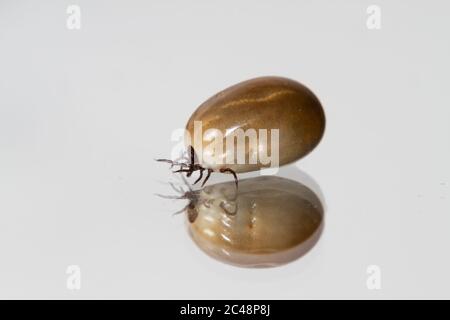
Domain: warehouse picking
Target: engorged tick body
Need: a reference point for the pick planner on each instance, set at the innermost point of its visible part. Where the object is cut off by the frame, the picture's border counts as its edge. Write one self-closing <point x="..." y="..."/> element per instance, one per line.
<point x="265" y="103"/>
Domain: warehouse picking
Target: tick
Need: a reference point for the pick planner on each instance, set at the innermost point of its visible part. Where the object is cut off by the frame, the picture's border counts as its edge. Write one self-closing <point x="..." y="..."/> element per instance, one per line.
<point x="259" y="123"/>
<point x="276" y="221"/>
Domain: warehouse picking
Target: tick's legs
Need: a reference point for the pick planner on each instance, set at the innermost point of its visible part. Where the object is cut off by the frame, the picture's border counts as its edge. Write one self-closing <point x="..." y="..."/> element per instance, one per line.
<point x="192" y="155"/>
<point x="181" y="211"/>
<point x="186" y="182"/>
<point x="191" y="169"/>
<point x="192" y="152"/>
<point x="183" y="170"/>
<point x="177" y="189"/>
<point x="207" y="176"/>
<point x="172" y="162"/>
<point x="171" y="197"/>
<point x="223" y="170"/>
<point x="200" y="176"/>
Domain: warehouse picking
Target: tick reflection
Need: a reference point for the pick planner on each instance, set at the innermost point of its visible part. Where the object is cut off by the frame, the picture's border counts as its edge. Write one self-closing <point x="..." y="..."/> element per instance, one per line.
<point x="277" y="221"/>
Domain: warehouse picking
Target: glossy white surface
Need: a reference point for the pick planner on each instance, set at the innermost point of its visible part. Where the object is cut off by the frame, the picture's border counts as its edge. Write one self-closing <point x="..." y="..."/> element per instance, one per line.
<point x="84" y="113"/>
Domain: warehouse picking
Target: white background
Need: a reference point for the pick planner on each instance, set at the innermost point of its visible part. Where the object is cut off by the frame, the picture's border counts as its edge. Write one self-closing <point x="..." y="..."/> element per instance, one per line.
<point x="83" y="113"/>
